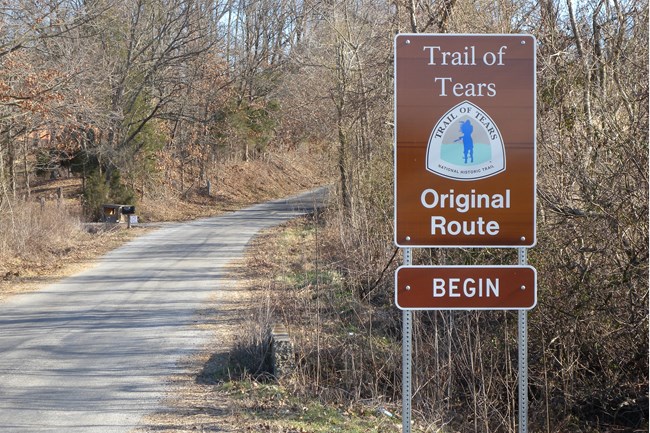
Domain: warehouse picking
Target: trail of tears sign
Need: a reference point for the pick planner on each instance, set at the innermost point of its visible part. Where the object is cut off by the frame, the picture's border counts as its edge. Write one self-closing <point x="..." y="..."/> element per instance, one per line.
<point x="465" y="140"/>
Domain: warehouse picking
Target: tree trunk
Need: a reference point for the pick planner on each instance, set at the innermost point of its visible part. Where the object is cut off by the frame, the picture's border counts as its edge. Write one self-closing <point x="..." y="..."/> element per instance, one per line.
<point x="12" y="167"/>
<point x="585" y="65"/>
<point x="342" y="160"/>
<point x="26" y="168"/>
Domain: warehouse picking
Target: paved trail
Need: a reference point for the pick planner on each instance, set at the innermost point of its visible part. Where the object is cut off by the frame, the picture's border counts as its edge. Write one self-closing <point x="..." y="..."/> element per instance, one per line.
<point x="90" y="354"/>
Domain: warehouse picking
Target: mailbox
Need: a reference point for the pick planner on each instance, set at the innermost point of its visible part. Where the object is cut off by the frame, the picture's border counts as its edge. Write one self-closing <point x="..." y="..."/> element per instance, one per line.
<point x="117" y="213"/>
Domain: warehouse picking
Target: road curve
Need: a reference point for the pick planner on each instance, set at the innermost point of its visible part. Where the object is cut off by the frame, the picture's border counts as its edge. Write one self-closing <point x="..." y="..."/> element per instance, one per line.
<point x="91" y="353"/>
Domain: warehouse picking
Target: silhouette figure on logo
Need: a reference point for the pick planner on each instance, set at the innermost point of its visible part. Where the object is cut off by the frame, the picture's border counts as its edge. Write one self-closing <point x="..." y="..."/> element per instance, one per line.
<point x="468" y="144"/>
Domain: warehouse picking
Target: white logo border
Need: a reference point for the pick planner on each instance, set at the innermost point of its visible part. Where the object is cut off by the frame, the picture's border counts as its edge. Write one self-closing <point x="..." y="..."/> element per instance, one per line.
<point x="438" y="172"/>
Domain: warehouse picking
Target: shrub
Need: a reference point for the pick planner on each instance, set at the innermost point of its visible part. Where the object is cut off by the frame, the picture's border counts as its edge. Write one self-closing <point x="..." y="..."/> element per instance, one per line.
<point x="98" y="192"/>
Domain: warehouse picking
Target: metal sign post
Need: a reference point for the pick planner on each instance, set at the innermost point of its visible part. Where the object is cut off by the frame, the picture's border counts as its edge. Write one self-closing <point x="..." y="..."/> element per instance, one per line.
<point x="407" y="341"/>
<point x="523" y="359"/>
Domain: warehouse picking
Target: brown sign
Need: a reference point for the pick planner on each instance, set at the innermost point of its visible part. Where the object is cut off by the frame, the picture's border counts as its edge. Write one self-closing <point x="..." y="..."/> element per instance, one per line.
<point x="465" y="140"/>
<point x="466" y="287"/>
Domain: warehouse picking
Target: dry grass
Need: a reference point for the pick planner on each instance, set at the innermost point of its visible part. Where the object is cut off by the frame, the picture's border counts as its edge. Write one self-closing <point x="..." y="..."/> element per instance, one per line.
<point x="39" y="245"/>
<point x="220" y="392"/>
<point x="42" y="243"/>
<point x="237" y="184"/>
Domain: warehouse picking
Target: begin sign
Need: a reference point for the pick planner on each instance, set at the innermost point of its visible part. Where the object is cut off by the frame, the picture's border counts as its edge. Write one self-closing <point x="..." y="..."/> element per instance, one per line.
<point x="465" y="140"/>
<point x="466" y="287"/>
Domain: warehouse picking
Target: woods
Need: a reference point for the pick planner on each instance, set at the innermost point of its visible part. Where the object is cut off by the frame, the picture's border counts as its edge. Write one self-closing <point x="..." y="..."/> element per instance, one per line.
<point x="140" y="88"/>
<point x="145" y="98"/>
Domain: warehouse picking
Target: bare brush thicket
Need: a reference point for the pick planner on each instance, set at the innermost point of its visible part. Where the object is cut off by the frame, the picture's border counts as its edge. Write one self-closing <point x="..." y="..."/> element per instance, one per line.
<point x="153" y="95"/>
<point x="35" y="233"/>
<point x="589" y="333"/>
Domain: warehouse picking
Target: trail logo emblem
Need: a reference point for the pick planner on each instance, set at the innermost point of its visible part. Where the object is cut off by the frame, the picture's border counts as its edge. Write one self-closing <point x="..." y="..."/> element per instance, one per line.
<point x="465" y="144"/>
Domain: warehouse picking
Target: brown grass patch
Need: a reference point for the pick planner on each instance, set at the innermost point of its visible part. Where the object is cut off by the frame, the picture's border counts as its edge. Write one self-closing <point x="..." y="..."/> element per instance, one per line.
<point x="40" y="245"/>
<point x="42" y="239"/>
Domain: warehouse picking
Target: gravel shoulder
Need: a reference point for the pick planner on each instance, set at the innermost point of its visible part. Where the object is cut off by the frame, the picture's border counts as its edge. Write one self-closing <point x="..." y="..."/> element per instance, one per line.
<point x="193" y="402"/>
